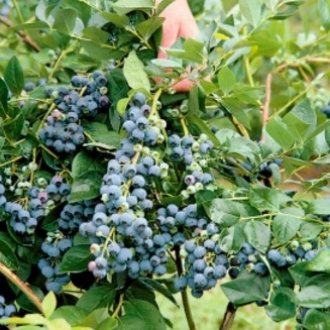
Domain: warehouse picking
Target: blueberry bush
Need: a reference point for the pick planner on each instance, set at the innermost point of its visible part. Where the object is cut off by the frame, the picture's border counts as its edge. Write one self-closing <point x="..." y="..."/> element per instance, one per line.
<point x="113" y="187"/>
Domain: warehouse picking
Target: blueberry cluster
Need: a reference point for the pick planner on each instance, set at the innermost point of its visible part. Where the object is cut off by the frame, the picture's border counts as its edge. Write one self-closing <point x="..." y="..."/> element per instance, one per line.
<point x="194" y="154"/>
<point x="20" y="219"/>
<point x="6" y="310"/>
<point x="205" y="264"/>
<point x="85" y="99"/>
<point x="246" y="258"/>
<point x="74" y="215"/>
<point x="57" y="190"/>
<point x="62" y="133"/>
<point x="5" y="7"/>
<point x="296" y="251"/>
<point x="126" y="240"/>
<point x="54" y="248"/>
<point x="29" y="86"/>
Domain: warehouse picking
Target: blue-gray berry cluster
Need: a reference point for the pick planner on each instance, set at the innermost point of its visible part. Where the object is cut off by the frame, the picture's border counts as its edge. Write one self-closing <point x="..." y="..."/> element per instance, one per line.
<point x="85" y="99"/>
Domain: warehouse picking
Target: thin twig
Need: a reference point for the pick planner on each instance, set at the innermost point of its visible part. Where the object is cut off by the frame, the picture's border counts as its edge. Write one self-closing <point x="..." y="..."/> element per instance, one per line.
<point x="21" y="285"/>
<point x="229" y="317"/>
<point x="26" y="38"/>
<point x="184" y="295"/>
<point x="265" y="107"/>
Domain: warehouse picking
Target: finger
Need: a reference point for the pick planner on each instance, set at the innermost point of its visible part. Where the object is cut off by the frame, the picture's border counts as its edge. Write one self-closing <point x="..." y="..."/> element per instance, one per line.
<point x="189" y="30"/>
<point x="169" y="37"/>
<point x="184" y="86"/>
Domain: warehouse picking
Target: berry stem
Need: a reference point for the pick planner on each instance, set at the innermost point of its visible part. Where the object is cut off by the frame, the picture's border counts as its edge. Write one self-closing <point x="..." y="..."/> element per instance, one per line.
<point x="184" y="127"/>
<point x="14" y="160"/>
<point x="5" y="271"/>
<point x="184" y="296"/>
<point x="229" y="317"/>
<point x="119" y="306"/>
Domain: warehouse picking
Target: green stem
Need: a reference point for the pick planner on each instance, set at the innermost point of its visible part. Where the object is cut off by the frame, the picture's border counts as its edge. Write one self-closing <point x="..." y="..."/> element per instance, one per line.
<point x="19" y="14"/>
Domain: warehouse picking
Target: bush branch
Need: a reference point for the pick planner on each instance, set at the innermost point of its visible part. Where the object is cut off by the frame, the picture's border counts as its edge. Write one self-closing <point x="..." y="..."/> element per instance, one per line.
<point x="229" y="317"/>
<point x="184" y="296"/>
<point x="12" y="277"/>
<point x="265" y="107"/>
<point x="26" y="38"/>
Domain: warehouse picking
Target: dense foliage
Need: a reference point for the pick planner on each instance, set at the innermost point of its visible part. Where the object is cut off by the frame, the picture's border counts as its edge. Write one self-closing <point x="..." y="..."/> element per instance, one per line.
<point x="114" y="187"/>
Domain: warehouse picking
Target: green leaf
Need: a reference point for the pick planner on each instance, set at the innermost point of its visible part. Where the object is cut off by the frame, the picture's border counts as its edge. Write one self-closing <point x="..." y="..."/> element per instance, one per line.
<point x="96" y="34"/>
<point x="75" y="259"/>
<point x="157" y="286"/>
<point x="315" y="296"/>
<point x="324" y="10"/>
<point x="7" y="255"/>
<point x="134" y="73"/>
<point x="280" y="132"/>
<point x="96" y="297"/>
<point x="14" y="76"/>
<point x="118" y="20"/>
<point x="226" y="79"/>
<point x="301" y="120"/>
<point x="321" y="263"/>
<point x="251" y="10"/>
<point x="285" y="226"/>
<point x="227" y="212"/>
<point x="147" y="28"/>
<point x="141" y="315"/>
<point x="232" y="238"/>
<point x="123" y="7"/>
<point x="74" y="315"/>
<point x="3" y="98"/>
<point x="281" y="305"/>
<point x="320" y="206"/>
<point x="100" y="133"/>
<point x="122" y="105"/>
<point x="83" y="164"/>
<point x="162" y="5"/>
<point x="66" y="20"/>
<point x="108" y="324"/>
<point x="86" y="188"/>
<point x="49" y="304"/>
<point x="247" y="288"/>
<point x="266" y="199"/>
<point x="258" y="235"/>
<point x="317" y="320"/>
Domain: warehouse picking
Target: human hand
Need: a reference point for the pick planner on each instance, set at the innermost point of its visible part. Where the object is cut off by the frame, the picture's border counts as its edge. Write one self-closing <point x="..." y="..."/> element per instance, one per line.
<point x="179" y="22"/>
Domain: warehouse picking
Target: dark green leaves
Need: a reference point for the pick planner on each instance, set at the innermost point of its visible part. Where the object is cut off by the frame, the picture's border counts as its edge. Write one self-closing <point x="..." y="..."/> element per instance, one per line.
<point x="7" y="254"/>
<point x="141" y="315"/>
<point x="75" y="259"/>
<point x="87" y="172"/>
<point x="3" y="98"/>
<point x="226" y="79"/>
<point x="247" y="288"/>
<point x="281" y="305"/>
<point x="227" y="213"/>
<point x="97" y="297"/>
<point x="123" y="7"/>
<point x="134" y="73"/>
<point x="286" y="225"/>
<point x="14" y="76"/>
<point x="100" y="134"/>
<point x="258" y="235"/>
<point x="266" y="199"/>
